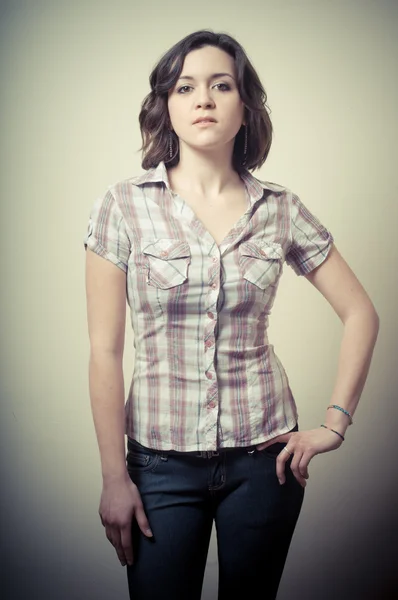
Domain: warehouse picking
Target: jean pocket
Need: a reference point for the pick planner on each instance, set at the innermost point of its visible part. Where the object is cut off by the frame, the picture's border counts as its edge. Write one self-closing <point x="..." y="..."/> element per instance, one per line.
<point x="139" y="458"/>
<point x="168" y="260"/>
<point x="273" y="450"/>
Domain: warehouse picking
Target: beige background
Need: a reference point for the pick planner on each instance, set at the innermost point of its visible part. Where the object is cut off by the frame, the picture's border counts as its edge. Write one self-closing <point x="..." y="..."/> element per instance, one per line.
<point x="73" y="75"/>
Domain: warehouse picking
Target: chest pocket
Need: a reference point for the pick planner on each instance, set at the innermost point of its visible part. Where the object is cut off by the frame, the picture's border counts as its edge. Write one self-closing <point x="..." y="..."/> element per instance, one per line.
<point x="168" y="260"/>
<point x="261" y="262"/>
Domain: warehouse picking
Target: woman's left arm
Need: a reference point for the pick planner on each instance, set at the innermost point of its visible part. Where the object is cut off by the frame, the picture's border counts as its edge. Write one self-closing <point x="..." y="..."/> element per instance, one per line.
<point x="338" y="284"/>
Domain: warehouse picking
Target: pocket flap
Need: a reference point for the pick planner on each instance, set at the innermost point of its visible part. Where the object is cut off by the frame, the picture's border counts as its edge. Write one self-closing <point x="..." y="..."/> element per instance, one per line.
<point x="166" y="248"/>
<point x="267" y="250"/>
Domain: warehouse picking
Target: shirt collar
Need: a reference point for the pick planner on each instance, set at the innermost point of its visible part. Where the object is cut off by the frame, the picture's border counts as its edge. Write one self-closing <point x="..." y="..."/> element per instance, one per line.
<point x="255" y="186"/>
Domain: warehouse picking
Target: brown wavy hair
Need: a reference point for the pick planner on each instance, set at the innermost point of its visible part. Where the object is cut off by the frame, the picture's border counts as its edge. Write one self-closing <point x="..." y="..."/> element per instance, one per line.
<point x="154" y="116"/>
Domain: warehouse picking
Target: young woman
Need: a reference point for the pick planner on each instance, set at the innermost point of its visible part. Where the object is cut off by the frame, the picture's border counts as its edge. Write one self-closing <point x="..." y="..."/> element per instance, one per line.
<point x="196" y="245"/>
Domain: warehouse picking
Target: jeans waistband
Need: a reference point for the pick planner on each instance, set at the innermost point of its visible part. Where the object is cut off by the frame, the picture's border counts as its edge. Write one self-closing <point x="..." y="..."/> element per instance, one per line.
<point x="201" y="453"/>
<point x="198" y="453"/>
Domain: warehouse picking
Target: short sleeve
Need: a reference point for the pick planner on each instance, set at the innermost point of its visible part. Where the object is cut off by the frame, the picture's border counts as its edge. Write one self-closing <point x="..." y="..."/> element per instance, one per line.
<point x="106" y="233"/>
<point x="310" y="240"/>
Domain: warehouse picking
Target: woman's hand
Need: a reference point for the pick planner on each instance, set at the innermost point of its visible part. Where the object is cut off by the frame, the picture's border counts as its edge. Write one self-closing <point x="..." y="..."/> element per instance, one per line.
<point x="120" y="503"/>
<point x="303" y="445"/>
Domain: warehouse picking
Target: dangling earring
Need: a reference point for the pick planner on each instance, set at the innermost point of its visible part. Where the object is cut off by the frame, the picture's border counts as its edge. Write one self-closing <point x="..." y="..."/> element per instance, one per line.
<point x="170" y="145"/>
<point x="245" y="148"/>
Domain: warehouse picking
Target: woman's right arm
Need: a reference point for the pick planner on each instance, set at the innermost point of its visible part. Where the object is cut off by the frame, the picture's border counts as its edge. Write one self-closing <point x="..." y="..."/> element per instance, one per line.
<point x="106" y="317"/>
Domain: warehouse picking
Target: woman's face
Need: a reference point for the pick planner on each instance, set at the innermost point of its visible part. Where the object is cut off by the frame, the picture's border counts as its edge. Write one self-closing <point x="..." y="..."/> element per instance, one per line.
<point x="199" y="93"/>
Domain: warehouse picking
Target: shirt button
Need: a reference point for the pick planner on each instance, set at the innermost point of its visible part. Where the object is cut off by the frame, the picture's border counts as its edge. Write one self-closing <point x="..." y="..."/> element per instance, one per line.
<point x="214" y="285"/>
<point x="209" y="375"/>
<point x="211" y="404"/>
<point x="210" y="315"/>
<point x="215" y="259"/>
<point x="209" y="343"/>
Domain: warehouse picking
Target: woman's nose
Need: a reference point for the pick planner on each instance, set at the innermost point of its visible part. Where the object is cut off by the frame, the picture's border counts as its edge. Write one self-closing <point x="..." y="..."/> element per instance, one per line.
<point x="204" y="98"/>
<point x="205" y="104"/>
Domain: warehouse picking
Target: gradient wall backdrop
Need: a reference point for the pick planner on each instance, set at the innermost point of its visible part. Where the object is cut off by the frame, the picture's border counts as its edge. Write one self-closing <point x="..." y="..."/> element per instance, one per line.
<point x="73" y="75"/>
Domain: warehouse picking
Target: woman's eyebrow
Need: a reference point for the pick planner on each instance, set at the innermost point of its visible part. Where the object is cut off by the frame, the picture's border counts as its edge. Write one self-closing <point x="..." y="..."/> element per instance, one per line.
<point x="214" y="76"/>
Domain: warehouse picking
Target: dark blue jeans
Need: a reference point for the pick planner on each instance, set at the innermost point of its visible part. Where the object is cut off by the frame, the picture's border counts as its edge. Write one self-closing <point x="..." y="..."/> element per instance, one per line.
<point x="183" y="493"/>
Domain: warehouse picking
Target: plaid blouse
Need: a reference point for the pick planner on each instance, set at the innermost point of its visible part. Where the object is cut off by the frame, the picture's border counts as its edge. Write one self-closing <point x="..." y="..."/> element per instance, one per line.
<point x="205" y="375"/>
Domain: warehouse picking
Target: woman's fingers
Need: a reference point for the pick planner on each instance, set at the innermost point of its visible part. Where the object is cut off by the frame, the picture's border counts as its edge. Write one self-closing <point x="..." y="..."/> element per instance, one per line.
<point x="303" y="468"/>
<point x="120" y="538"/>
<point x="126" y="545"/>
<point x="142" y="520"/>
<point x="302" y="447"/>
<point x="120" y="504"/>
<point x="300" y="472"/>
<point x="115" y="539"/>
<point x="299" y="467"/>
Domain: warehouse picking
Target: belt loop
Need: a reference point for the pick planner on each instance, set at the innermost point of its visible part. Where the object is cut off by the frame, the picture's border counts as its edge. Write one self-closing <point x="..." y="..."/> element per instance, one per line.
<point x="208" y="453"/>
<point x="164" y="456"/>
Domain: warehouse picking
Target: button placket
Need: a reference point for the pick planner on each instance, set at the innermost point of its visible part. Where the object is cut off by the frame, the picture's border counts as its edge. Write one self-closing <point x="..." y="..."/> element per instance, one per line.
<point x="209" y="352"/>
<point x="210" y="372"/>
<point x="211" y="422"/>
<point x="210" y="323"/>
<point x="209" y="358"/>
<point x="214" y="272"/>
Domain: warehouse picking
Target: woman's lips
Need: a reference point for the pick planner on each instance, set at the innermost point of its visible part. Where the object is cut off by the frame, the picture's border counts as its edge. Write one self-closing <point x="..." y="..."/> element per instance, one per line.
<point x="205" y="123"/>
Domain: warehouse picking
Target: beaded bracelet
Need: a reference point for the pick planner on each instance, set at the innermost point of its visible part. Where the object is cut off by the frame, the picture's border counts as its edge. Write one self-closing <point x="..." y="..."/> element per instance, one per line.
<point x="326" y="427"/>
<point x="342" y="410"/>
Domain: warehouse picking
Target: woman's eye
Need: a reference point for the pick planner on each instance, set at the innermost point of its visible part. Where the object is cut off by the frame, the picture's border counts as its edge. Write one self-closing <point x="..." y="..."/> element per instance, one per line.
<point x="225" y="87"/>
